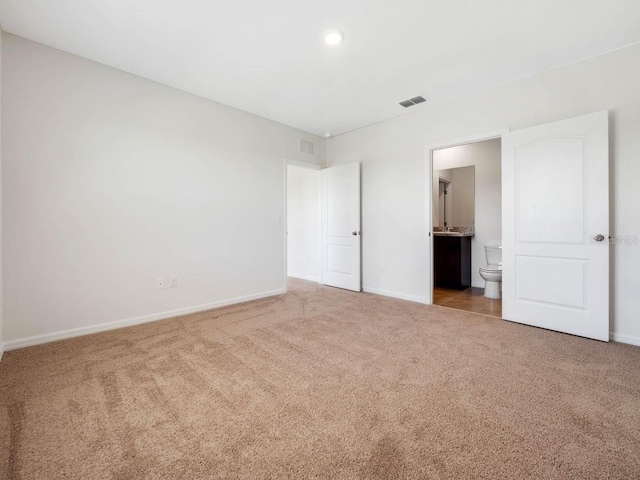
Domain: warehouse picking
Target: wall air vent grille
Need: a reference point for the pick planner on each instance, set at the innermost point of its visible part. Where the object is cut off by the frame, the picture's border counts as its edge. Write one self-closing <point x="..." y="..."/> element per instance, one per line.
<point x="306" y="147"/>
<point x="413" y="101"/>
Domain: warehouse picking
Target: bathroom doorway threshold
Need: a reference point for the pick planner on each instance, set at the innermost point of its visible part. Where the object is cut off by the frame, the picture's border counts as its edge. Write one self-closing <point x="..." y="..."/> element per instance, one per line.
<point x="470" y="300"/>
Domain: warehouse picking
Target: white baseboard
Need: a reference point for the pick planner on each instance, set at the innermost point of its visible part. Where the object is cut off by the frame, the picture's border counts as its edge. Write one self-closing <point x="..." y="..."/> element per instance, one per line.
<point x="103" y="327"/>
<point x="622" y="338"/>
<point x="301" y="276"/>
<point x="129" y="322"/>
<point x="478" y="284"/>
<point x="401" y="296"/>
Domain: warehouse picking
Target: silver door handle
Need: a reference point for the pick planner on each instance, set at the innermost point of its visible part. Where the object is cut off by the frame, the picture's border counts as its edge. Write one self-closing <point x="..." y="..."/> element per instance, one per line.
<point x="599" y="237"/>
<point x="355" y="233"/>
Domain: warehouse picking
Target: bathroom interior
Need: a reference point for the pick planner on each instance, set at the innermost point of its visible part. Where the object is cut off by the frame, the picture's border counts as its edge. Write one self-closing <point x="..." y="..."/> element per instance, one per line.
<point x="467" y="227"/>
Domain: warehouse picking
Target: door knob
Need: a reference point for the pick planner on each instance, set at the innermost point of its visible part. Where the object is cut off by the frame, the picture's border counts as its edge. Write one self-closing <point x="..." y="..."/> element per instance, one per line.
<point x="599" y="237"/>
<point x="354" y="233"/>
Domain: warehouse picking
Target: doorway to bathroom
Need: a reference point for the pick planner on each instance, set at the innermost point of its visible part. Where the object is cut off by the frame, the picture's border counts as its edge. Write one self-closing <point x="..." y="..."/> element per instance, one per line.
<point x="467" y="226"/>
<point x="553" y="192"/>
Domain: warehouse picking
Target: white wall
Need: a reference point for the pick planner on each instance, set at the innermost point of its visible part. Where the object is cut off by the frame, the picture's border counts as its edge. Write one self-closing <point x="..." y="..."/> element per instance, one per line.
<point x="303" y="223"/>
<point x="111" y="181"/>
<point x="394" y="169"/>
<point x="485" y="157"/>
<point x="1" y="266"/>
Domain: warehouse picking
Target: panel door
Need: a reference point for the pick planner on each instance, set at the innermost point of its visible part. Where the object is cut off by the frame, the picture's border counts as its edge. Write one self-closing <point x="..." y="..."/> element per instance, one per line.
<point x="341" y="226"/>
<point x="555" y="215"/>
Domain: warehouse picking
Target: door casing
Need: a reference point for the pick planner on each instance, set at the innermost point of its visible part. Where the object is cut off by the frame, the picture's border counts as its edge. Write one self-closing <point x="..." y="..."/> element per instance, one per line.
<point x="429" y="196"/>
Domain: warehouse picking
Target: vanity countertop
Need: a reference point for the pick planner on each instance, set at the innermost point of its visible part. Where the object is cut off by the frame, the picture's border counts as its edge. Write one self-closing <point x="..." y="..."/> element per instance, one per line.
<point x="453" y="232"/>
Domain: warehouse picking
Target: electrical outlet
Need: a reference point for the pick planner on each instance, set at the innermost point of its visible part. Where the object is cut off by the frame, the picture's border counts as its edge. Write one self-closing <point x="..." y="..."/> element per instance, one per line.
<point x="174" y="282"/>
<point x="159" y="283"/>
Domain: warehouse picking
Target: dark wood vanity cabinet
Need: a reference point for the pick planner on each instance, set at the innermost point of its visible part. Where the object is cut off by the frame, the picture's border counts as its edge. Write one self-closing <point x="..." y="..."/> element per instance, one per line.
<point x="452" y="261"/>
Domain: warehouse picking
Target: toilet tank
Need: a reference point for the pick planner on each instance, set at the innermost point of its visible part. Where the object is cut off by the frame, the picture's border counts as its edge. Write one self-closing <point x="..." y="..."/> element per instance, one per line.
<point x="494" y="254"/>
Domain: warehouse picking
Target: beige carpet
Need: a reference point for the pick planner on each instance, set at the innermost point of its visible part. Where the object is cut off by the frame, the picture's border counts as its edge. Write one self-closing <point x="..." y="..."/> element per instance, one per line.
<point x="322" y="383"/>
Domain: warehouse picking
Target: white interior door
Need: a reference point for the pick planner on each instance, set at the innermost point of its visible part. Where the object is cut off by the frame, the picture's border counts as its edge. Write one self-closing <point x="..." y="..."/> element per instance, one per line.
<point x="555" y="220"/>
<point x="341" y="226"/>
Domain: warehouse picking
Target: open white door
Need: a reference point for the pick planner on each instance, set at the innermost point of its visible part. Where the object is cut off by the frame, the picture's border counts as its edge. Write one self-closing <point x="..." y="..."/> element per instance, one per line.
<point x="341" y="226"/>
<point x="555" y="221"/>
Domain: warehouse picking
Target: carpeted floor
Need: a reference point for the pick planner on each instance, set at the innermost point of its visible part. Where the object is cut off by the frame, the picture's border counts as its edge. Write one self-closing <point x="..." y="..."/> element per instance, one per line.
<point x="322" y="383"/>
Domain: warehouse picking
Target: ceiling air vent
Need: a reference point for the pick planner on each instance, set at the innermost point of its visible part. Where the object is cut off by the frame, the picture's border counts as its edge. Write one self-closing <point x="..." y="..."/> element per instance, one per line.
<point x="306" y="147"/>
<point x="413" y="101"/>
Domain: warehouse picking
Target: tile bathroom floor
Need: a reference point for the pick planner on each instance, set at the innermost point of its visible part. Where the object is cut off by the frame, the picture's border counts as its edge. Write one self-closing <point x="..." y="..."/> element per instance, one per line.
<point x="471" y="300"/>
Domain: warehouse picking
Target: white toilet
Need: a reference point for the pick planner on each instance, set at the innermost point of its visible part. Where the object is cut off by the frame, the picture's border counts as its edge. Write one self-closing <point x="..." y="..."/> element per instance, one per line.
<point x="492" y="273"/>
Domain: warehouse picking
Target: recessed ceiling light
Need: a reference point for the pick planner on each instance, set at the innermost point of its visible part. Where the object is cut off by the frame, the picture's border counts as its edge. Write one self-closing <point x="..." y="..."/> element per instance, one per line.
<point x="328" y="135"/>
<point x="333" y="37"/>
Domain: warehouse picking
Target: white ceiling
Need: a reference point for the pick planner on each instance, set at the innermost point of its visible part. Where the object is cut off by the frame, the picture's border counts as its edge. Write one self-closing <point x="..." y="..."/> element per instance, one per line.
<point x="267" y="56"/>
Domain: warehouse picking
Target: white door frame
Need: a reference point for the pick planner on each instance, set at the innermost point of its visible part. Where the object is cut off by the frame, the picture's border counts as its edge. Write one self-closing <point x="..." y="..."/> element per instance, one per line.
<point x="429" y="198"/>
<point x="310" y="166"/>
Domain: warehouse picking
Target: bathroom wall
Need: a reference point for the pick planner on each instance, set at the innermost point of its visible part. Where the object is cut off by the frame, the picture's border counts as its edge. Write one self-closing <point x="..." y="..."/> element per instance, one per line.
<point x="485" y="157"/>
